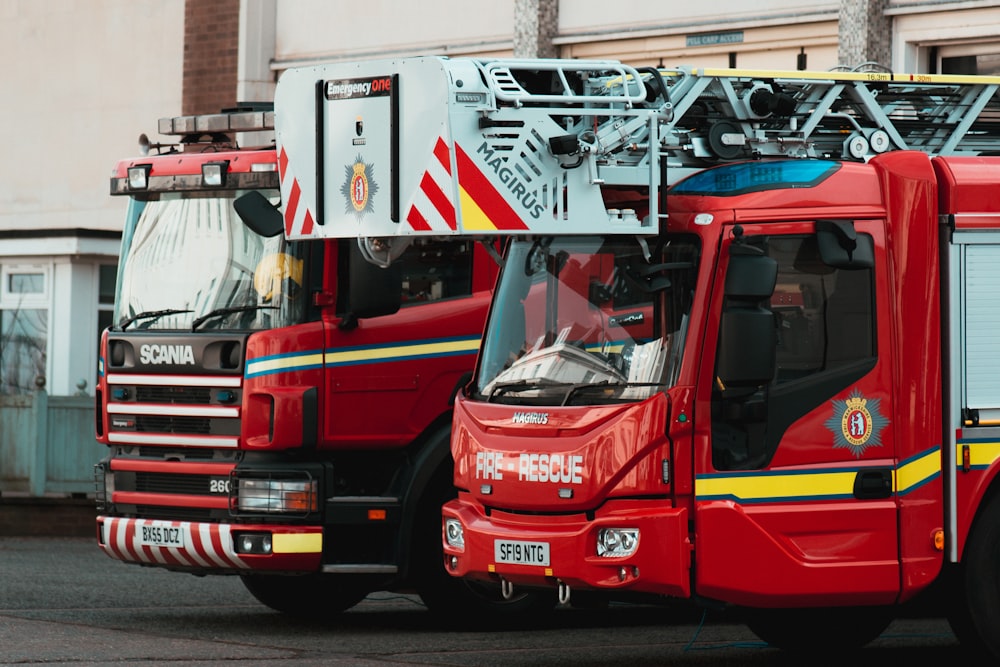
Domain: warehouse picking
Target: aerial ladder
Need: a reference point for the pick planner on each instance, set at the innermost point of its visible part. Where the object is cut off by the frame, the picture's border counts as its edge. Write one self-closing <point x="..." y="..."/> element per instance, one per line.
<point x="555" y="137"/>
<point x="690" y="118"/>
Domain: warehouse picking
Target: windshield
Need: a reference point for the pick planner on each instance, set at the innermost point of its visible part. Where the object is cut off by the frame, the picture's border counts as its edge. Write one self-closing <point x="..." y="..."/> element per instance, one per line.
<point x="584" y="320"/>
<point x="188" y="262"/>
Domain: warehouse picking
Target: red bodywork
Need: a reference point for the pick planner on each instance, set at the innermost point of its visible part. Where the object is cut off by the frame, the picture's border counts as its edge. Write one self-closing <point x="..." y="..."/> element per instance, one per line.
<point x="307" y="393"/>
<point x="794" y="532"/>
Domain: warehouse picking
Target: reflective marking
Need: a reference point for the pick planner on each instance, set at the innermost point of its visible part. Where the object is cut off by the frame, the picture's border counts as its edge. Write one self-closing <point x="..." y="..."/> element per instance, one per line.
<point x="172" y="439"/>
<point x="171" y="409"/>
<point x="176" y="380"/>
<point x="297" y="543"/>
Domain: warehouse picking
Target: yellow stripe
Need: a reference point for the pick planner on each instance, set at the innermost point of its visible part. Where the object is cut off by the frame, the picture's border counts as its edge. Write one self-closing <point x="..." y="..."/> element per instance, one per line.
<point x="981" y="453"/>
<point x="402" y="351"/>
<point x="473" y="217"/>
<point x="297" y="543"/>
<point x="918" y="471"/>
<point x="282" y="363"/>
<point x="769" y="487"/>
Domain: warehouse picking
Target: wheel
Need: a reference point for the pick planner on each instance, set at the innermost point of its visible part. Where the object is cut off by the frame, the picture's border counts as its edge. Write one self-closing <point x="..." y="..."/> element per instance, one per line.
<point x="310" y="595"/>
<point x="975" y="616"/>
<point x="840" y="628"/>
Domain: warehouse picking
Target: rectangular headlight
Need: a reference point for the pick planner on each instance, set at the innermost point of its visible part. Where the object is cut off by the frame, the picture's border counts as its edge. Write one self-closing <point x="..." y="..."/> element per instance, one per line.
<point x="213" y="174"/>
<point x="278" y="495"/>
<point x="138" y="177"/>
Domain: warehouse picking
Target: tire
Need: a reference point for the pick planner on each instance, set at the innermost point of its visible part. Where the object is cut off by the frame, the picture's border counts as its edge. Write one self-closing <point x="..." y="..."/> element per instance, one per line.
<point x="975" y="616"/>
<point x="818" y="630"/>
<point x="313" y="596"/>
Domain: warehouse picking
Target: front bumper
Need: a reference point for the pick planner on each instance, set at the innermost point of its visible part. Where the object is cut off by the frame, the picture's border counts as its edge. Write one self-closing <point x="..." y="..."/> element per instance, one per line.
<point x="660" y="564"/>
<point x="209" y="547"/>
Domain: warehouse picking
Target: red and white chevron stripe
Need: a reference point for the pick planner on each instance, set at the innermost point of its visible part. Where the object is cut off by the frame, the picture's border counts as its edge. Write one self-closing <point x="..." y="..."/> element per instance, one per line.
<point x="206" y="545"/>
<point x="433" y="207"/>
<point x="298" y="218"/>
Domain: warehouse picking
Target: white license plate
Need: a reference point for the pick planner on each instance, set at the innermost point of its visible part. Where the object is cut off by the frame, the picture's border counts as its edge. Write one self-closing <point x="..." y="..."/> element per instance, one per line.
<point x="159" y="535"/>
<point x="521" y="553"/>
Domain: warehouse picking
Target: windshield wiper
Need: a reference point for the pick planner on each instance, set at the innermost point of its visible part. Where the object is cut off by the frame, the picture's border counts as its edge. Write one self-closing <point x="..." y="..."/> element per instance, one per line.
<point x="228" y="310"/>
<point x="150" y="314"/>
<point x="606" y="384"/>
<point x="502" y="388"/>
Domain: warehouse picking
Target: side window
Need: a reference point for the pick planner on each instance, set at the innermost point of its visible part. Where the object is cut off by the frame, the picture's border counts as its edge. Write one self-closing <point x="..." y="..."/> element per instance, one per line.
<point x="435" y="270"/>
<point x="824" y="316"/>
<point x="24" y="327"/>
<point x="824" y="320"/>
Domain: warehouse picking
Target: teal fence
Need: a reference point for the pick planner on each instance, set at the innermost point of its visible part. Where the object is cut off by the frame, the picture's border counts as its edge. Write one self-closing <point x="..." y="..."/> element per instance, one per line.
<point x="47" y="445"/>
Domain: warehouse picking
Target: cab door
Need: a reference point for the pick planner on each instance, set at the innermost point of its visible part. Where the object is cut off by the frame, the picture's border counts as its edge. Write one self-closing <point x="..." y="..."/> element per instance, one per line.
<point x="795" y="499"/>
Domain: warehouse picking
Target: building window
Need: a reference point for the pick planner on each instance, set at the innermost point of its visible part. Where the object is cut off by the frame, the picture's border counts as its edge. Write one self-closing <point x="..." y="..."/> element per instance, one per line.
<point x="26" y="283"/>
<point x="24" y="328"/>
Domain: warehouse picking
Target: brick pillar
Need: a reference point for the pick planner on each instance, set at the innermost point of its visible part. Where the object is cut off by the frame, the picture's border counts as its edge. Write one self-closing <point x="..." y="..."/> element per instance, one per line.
<point x="536" y="23"/>
<point x="865" y="33"/>
<point x="211" y="50"/>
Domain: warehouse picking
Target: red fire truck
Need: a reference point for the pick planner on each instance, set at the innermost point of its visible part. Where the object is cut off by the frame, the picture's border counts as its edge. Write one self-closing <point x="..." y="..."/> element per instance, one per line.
<point x="274" y="407"/>
<point x="742" y="349"/>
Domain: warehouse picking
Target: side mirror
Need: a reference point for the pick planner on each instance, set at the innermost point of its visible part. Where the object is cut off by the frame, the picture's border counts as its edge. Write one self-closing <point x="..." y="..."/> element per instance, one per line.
<point x="746" y="356"/>
<point x="841" y="247"/>
<point x="258" y="214"/>
<point x="746" y="353"/>
<point x="750" y="277"/>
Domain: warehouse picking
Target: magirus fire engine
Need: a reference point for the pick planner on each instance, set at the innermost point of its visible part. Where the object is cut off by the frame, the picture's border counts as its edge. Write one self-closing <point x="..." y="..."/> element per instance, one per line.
<point x="742" y="348"/>
<point x="276" y="406"/>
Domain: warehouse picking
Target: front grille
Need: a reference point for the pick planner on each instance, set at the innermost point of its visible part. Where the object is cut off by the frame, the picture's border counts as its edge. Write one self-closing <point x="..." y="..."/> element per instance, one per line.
<point x="172" y="394"/>
<point x="179" y="513"/>
<point x="150" y="482"/>
<point x="177" y="409"/>
<point x="170" y="424"/>
<point x="190" y="454"/>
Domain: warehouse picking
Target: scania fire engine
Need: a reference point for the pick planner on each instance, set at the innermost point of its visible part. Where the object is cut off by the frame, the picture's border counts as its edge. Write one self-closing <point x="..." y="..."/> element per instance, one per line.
<point x="742" y="348"/>
<point x="274" y="407"/>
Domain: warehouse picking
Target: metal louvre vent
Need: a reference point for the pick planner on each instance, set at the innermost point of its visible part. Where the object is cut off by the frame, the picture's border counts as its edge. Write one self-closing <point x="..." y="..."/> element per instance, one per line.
<point x="982" y="318"/>
<point x="170" y="424"/>
<point x="148" y="482"/>
<point x="172" y="394"/>
<point x="179" y="455"/>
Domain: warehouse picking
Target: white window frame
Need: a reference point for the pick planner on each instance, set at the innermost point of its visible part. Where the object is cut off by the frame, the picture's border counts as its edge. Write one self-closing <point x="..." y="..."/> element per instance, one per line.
<point x="9" y="299"/>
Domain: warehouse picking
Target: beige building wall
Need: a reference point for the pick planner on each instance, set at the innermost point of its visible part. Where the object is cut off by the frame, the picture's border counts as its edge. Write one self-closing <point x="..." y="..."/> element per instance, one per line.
<point x="773" y="34"/>
<point x="711" y="33"/>
<point x="927" y="34"/>
<point x="83" y="79"/>
<point x="325" y="30"/>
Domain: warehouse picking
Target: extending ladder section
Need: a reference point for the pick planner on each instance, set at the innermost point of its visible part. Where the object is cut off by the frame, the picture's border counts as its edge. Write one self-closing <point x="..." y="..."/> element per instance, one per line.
<point x="441" y="146"/>
<point x="704" y="116"/>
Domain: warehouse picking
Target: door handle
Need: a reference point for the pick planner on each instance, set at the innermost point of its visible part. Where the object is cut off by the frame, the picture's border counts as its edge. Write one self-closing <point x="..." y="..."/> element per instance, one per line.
<point x="873" y="484"/>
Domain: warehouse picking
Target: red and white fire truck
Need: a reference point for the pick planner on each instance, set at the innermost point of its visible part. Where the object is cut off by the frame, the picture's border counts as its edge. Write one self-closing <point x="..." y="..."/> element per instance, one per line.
<point x="742" y="349"/>
<point x="273" y="402"/>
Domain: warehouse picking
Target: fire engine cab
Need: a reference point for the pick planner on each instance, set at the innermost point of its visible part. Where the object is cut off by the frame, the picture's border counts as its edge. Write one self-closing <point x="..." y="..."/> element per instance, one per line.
<point x="741" y="349"/>
<point x="275" y="405"/>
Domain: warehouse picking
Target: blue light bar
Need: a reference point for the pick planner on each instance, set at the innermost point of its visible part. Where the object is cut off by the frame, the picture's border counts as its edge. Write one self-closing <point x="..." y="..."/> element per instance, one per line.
<point x="742" y="177"/>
